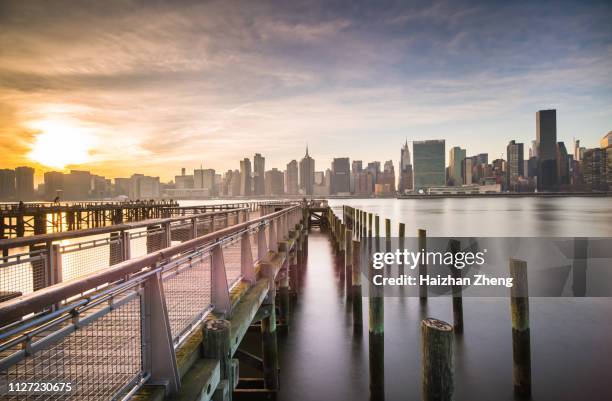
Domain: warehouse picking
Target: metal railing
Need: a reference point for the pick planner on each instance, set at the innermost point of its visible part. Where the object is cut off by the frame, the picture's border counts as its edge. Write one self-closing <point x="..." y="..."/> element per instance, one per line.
<point x="125" y="332"/>
<point x="33" y="263"/>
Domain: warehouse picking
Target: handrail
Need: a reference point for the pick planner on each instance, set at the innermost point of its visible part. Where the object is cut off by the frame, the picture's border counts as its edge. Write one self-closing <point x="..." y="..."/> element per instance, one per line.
<point x="87" y="232"/>
<point x="36" y="301"/>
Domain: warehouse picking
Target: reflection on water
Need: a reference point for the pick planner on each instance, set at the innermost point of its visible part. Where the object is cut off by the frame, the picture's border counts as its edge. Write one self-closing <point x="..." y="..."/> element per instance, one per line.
<point x="323" y="359"/>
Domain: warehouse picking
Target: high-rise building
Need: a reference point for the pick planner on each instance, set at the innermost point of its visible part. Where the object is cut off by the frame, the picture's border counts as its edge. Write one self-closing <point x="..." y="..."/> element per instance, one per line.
<point x="429" y="170"/>
<point x="405" y="181"/>
<point x="292" y="179"/>
<point x="456" y="156"/>
<point x="77" y="185"/>
<point x="245" y="177"/>
<point x="275" y="182"/>
<point x="466" y="170"/>
<point x="122" y="187"/>
<point x="24" y="183"/>
<point x="606" y="141"/>
<point x="259" y="167"/>
<point x="143" y="187"/>
<point x="594" y="169"/>
<point x="515" y="164"/>
<point x="563" y="164"/>
<point x="374" y="169"/>
<point x="546" y="143"/>
<point x="307" y="169"/>
<point x="7" y="184"/>
<point x="205" y="179"/>
<point x="54" y="184"/>
<point x="356" y="168"/>
<point x="385" y="184"/>
<point x="340" y="179"/>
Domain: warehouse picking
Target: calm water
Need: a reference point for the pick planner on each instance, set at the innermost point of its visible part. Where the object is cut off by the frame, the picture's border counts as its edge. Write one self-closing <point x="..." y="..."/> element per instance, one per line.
<point x="571" y="339"/>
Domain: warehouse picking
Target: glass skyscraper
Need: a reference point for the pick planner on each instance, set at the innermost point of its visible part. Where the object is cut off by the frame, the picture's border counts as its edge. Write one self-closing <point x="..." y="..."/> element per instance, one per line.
<point x="429" y="166"/>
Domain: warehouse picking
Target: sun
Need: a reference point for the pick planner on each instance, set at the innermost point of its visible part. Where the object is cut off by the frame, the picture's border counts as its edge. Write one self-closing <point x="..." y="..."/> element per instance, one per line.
<point x="60" y="144"/>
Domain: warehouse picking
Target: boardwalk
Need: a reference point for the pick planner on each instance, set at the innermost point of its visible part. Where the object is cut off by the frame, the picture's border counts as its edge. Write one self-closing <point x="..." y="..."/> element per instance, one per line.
<point x="97" y="342"/>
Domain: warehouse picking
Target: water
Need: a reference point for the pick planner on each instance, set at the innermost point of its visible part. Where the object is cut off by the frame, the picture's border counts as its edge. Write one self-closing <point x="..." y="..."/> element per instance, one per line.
<point x="571" y="339"/>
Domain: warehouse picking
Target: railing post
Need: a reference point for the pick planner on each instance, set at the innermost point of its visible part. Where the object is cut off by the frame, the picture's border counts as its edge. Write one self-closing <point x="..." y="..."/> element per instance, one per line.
<point x="272" y="242"/>
<point x="212" y="223"/>
<point x="246" y="259"/>
<point x="159" y="356"/>
<point x="220" y="291"/>
<point x="167" y="241"/>
<point x="126" y="248"/>
<point x="262" y="247"/>
<point x="55" y="265"/>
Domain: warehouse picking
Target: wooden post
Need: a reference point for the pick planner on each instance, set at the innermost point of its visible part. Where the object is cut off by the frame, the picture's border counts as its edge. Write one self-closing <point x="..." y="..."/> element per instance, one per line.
<point x="370" y="225"/>
<point x="268" y="335"/>
<point x="455" y="247"/>
<point x="422" y="241"/>
<point x="437" y="360"/>
<point x="387" y="235"/>
<point x="521" y="347"/>
<point x="217" y="345"/>
<point x="356" y="280"/>
<point x="401" y="243"/>
<point x="348" y="262"/>
<point x="377" y="306"/>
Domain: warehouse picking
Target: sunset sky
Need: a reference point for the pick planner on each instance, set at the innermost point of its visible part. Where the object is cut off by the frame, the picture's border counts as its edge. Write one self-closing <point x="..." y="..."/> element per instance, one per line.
<point x="119" y="87"/>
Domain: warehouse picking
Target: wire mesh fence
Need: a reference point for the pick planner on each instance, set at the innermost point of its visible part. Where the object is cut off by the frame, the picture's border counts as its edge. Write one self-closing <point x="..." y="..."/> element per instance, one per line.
<point x="181" y="231"/>
<point x="83" y="258"/>
<point x="232" y="259"/>
<point x="100" y="360"/>
<point x="22" y="273"/>
<point x="187" y="292"/>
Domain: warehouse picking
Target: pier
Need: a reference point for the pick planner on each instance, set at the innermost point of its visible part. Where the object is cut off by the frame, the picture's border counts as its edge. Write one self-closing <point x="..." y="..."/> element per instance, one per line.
<point x="23" y="219"/>
<point x="169" y="308"/>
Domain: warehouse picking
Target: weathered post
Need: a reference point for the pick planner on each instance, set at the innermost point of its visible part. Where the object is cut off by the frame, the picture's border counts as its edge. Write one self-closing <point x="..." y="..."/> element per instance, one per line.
<point x="217" y="345"/>
<point x="356" y="290"/>
<point x="455" y="247"/>
<point x="521" y="347"/>
<point x="437" y="360"/>
<point x="348" y="262"/>
<point x="422" y="242"/>
<point x="376" y="332"/>
<point x="401" y="243"/>
<point x="370" y="225"/>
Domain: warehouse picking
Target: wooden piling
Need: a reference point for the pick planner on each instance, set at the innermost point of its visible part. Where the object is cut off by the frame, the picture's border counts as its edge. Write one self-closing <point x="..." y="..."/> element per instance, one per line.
<point x="376" y="335"/>
<point x="356" y="290"/>
<point x="369" y="224"/>
<point x="268" y="335"/>
<point x="455" y="247"/>
<point x="422" y="243"/>
<point x="376" y="301"/>
<point x="437" y="360"/>
<point x="217" y="345"/>
<point x="401" y="243"/>
<point x="521" y="347"/>
<point x="348" y="262"/>
<point x="283" y="291"/>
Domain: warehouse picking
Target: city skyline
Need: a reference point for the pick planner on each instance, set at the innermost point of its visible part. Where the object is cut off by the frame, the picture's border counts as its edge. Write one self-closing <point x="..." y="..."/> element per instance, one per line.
<point x="123" y="88"/>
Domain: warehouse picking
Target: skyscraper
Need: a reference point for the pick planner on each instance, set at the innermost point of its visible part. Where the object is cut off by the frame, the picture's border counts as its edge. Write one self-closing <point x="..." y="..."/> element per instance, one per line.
<point x="546" y="144"/>
<point x="515" y="166"/>
<point x="275" y="182"/>
<point x="307" y="169"/>
<point x="405" y="181"/>
<point x="24" y="183"/>
<point x="292" y="179"/>
<point x="245" y="177"/>
<point x="259" y="167"/>
<point x="340" y="179"/>
<point x="7" y="184"/>
<point x="563" y="167"/>
<point x="54" y="184"/>
<point x="456" y="156"/>
<point x="429" y="170"/>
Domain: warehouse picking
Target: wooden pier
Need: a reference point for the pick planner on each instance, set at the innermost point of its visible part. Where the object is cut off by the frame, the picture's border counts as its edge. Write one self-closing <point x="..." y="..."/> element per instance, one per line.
<point x="23" y="219"/>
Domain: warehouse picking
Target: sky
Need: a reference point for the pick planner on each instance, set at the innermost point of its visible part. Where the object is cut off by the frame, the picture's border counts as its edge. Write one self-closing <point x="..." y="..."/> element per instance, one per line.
<point x="119" y="87"/>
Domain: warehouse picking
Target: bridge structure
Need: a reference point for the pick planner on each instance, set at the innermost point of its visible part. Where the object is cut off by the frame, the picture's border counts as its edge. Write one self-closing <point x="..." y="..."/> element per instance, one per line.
<point x="155" y="309"/>
<point x="22" y="219"/>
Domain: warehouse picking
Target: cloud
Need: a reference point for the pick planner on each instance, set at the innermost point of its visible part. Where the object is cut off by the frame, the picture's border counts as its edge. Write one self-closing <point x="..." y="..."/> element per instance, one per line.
<point x="166" y="84"/>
